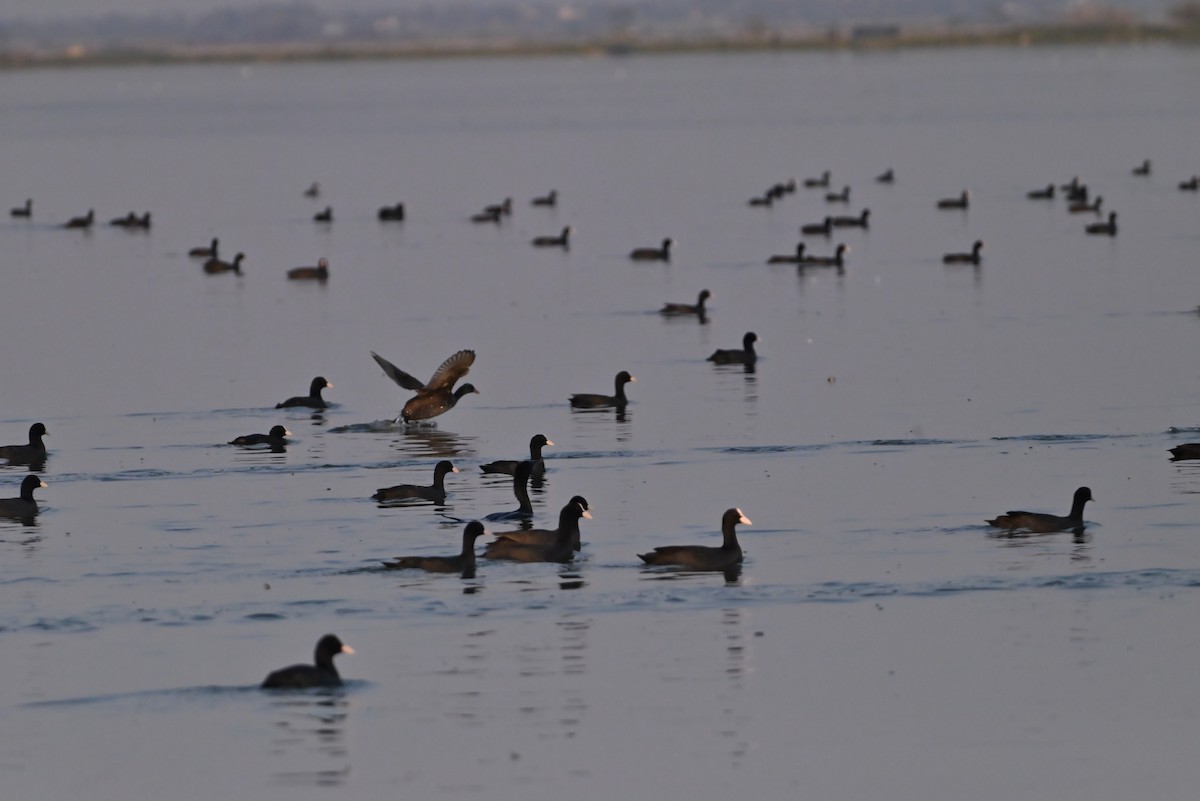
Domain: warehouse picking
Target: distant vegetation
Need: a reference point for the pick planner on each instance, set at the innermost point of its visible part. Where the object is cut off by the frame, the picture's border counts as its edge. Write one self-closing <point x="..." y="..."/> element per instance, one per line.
<point x="298" y="30"/>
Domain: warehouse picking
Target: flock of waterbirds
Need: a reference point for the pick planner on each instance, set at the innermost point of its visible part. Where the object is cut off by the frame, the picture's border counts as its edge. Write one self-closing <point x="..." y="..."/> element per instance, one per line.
<point x="439" y="395"/>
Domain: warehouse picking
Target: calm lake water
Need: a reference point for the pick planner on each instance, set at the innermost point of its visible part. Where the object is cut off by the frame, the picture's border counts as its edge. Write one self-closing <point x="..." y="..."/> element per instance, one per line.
<point x="880" y="640"/>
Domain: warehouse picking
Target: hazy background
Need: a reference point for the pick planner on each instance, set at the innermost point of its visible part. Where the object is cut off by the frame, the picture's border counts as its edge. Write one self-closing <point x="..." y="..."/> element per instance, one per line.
<point x="814" y="9"/>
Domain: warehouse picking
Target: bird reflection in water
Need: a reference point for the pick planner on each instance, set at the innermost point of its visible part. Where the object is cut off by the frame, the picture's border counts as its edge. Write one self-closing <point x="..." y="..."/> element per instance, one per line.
<point x="421" y="441"/>
<point x="737" y="671"/>
<point x="1079" y="551"/>
<point x="273" y="455"/>
<point x="571" y="581"/>
<point x="24" y="521"/>
<point x="312" y="727"/>
<point x="573" y="649"/>
<point x="430" y="441"/>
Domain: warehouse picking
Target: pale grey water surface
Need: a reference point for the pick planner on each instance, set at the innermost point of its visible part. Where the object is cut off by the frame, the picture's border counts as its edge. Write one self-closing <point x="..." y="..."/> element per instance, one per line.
<point x="880" y="641"/>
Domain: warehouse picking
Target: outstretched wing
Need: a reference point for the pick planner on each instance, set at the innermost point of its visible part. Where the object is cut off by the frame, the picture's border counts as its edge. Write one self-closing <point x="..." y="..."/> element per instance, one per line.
<point x="451" y="370"/>
<point x="396" y="374"/>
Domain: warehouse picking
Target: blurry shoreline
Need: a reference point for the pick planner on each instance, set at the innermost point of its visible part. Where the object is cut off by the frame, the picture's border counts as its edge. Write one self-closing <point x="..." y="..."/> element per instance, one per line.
<point x="869" y="38"/>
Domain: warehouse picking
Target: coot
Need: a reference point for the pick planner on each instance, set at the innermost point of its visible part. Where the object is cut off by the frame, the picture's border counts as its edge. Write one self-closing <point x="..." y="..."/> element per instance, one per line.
<point x="24" y="506"/>
<point x="434" y="492"/>
<point x="732" y="356"/>
<point x="1042" y="523"/>
<point x="672" y="309"/>
<point x="543" y="545"/>
<point x="704" y="557"/>
<point x="595" y="401"/>
<point x="653" y="254"/>
<point x="520" y="485"/>
<point x="312" y="400"/>
<point x="463" y="562"/>
<point x="318" y="273"/>
<point x="438" y="396"/>
<point x="320" y="674"/>
<point x="509" y="466"/>
<point x="276" y="438"/>
<point x="964" y="258"/>
<point x="214" y="265"/>
<point x="34" y="451"/>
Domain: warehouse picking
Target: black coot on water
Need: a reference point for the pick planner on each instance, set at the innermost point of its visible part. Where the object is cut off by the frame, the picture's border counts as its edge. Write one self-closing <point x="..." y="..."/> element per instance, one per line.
<point x="33" y="451"/>
<point x="704" y="557"/>
<point x="321" y="673"/>
<point x="312" y="400"/>
<point x="24" y="506"/>
<point x="434" y="492"/>
<point x="463" y="562"/>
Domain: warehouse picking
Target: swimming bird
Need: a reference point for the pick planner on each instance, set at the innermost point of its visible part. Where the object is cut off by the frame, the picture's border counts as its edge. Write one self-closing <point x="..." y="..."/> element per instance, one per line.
<point x="435" y="397"/>
<point x="392" y="213"/>
<point x="34" y="451"/>
<point x="1042" y="523"/>
<point x="209" y="252"/>
<point x="463" y="562"/>
<point x="23" y="211"/>
<point x="838" y="197"/>
<point x="677" y="309"/>
<point x="1190" y="450"/>
<point x="744" y="356"/>
<point x="888" y="176"/>
<point x="1083" y="207"/>
<point x="1191" y="184"/>
<point x="312" y="400"/>
<point x="563" y="240"/>
<point x="25" y="506"/>
<point x="1105" y="228"/>
<point x="817" y="183"/>
<point x="487" y="217"/>
<point x="588" y="400"/>
<point x="318" y="273"/>
<point x="504" y="207"/>
<point x="81" y="222"/>
<point x="1041" y="194"/>
<point x="520" y="487"/>
<point x="215" y="266"/>
<point x="314" y="190"/>
<point x="509" y="466"/>
<point x="781" y="188"/>
<point x="132" y="222"/>
<point x="549" y="199"/>
<point x="960" y="202"/>
<point x="1143" y="168"/>
<point x="861" y="221"/>
<point x="320" y="674"/>
<point x="435" y="492"/>
<point x="543" y="545"/>
<point x="704" y="557"/>
<point x="324" y="216"/>
<point x="965" y="258"/>
<point x="653" y="254"/>
<point x="836" y="260"/>
<point x="790" y="258"/>
<point x="823" y="228"/>
<point x="765" y="200"/>
<point x="276" y="438"/>
<point x="494" y="213"/>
